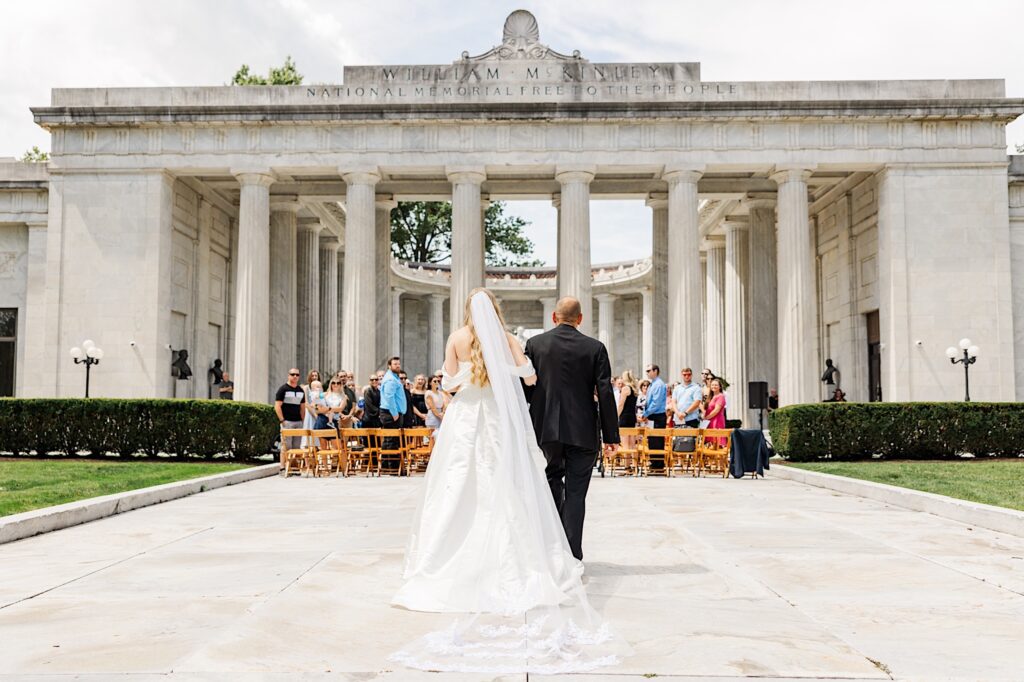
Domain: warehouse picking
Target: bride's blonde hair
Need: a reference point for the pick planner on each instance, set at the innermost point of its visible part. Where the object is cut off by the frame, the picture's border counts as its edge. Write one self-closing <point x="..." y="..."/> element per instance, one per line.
<point x="476" y="356"/>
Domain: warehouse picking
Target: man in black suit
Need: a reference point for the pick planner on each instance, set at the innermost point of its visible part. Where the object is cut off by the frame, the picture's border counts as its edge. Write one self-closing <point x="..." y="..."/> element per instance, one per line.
<point x="570" y="368"/>
<point x="371" y="404"/>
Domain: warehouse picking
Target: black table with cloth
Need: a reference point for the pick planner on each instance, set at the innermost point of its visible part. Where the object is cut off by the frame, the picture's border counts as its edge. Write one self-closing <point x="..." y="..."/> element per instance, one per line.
<point x="749" y="453"/>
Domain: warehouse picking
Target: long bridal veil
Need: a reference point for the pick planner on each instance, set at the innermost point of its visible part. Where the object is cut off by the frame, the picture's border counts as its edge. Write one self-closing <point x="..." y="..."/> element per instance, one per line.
<point x="541" y="621"/>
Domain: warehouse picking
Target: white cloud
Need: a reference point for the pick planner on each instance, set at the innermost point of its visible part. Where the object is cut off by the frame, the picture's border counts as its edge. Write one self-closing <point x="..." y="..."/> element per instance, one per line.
<point x="65" y="43"/>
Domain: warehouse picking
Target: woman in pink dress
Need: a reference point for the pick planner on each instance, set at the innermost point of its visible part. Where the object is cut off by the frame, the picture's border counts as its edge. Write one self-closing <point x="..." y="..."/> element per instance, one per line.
<point x="715" y="411"/>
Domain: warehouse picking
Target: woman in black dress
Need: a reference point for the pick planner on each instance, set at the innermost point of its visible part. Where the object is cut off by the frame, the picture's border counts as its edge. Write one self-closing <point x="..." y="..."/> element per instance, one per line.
<point x="627" y="400"/>
<point x="418" y="415"/>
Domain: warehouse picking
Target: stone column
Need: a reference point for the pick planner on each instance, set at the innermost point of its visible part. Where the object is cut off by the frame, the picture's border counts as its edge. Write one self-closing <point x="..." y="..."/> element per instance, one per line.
<point x="467" y="238"/>
<point x="606" y="323"/>
<point x="658" y="202"/>
<point x="359" y="331"/>
<point x="396" y="323"/>
<point x="35" y="309"/>
<point x="252" y="292"/>
<point x="715" y="307"/>
<point x="736" y="318"/>
<point x="797" y="307"/>
<point x="308" y="308"/>
<point x="283" y="291"/>
<point x="685" y="288"/>
<point x="435" y="328"/>
<point x="329" y="305"/>
<point x="574" y="271"/>
<point x="385" y="204"/>
<point x="646" y="329"/>
<point x="762" y="360"/>
<point x="549" y="308"/>
<point x="556" y="201"/>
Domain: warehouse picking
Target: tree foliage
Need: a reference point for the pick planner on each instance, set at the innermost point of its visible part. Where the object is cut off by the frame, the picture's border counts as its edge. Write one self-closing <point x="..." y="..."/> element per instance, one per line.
<point x="35" y="155"/>
<point x="421" y="232"/>
<point x="287" y="74"/>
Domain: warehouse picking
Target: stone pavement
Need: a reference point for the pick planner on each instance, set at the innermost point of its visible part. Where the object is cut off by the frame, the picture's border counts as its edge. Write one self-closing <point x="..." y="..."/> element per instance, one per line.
<point x="707" y="579"/>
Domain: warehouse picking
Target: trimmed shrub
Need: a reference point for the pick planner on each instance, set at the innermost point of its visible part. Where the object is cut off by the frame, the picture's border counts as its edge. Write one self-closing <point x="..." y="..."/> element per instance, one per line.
<point x="850" y="431"/>
<point x="102" y="426"/>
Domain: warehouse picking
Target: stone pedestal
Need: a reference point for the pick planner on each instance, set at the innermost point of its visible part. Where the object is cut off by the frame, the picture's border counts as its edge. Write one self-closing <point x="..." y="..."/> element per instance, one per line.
<point x="574" y="271"/>
<point x="308" y="308"/>
<point x="763" y="347"/>
<point x="359" y="332"/>
<point x="435" y="326"/>
<point x="736" y="318"/>
<point x="714" y="350"/>
<point x="467" y="238"/>
<point x="797" y="306"/>
<point x="683" y="274"/>
<point x="283" y="291"/>
<point x="329" y="306"/>
<point x="252" y="287"/>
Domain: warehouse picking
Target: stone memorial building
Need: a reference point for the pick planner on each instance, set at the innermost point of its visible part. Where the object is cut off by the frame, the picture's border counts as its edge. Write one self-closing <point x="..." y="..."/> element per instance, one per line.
<point x="871" y="222"/>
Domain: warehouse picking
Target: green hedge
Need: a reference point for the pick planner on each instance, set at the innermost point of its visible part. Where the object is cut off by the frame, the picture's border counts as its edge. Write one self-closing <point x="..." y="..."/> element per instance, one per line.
<point x="100" y="426"/>
<point x="850" y="431"/>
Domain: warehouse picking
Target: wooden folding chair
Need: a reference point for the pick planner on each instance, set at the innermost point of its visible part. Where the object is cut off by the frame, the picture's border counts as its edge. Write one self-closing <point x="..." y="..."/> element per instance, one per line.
<point x="714" y="451"/>
<point x="418" y="444"/>
<point x="294" y="458"/>
<point x="387" y="455"/>
<point x="361" y="446"/>
<point x="327" y="452"/>
<point x="627" y="459"/>
<point x="686" y="462"/>
<point x="662" y="455"/>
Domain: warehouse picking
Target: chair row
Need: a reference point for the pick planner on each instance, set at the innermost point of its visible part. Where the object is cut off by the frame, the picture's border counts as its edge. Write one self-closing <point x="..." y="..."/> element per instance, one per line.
<point x="650" y="452"/>
<point x="347" y="452"/>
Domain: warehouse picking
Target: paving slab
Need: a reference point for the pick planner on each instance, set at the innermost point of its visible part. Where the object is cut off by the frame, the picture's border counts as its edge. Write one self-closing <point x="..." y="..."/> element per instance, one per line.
<point x="705" y="578"/>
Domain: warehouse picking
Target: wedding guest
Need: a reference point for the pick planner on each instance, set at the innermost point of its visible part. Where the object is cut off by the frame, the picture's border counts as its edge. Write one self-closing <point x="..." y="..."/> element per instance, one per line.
<point x="407" y="387"/>
<point x="418" y="393"/>
<point x="336" y="402"/>
<point x="715" y="412"/>
<point x="226" y="391"/>
<point x="371" y="404"/>
<point x="352" y="412"/>
<point x="312" y="376"/>
<point x="773" y="400"/>
<point x="436" y="403"/>
<point x="316" y="407"/>
<point x="688" y="401"/>
<point x="393" y="403"/>
<point x="290" y="406"/>
<point x="641" y="401"/>
<point x="654" y="410"/>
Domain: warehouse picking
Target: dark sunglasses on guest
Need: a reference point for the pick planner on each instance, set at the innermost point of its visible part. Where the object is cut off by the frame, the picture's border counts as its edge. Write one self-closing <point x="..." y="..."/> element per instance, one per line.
<point x="293" y="374"/>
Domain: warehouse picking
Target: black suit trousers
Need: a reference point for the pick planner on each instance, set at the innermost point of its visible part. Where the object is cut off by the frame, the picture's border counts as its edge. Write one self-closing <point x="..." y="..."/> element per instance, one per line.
<point x="569" y="471"/>
<point x="657" y="422"/>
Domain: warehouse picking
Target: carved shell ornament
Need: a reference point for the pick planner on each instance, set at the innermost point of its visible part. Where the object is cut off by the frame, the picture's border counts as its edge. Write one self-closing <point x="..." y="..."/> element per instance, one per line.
<point x="521" y="40"/>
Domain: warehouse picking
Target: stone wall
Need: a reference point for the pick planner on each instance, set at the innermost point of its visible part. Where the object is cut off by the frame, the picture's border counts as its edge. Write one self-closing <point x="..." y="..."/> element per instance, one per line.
<point x="14" y="284"/>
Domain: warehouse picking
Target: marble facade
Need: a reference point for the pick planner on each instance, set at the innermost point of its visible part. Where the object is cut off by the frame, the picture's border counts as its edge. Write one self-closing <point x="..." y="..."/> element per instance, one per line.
<point x="250" y="224"/>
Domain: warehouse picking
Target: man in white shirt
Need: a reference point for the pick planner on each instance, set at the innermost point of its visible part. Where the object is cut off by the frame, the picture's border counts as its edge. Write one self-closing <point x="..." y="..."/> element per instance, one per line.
<point x="687" y="396"/>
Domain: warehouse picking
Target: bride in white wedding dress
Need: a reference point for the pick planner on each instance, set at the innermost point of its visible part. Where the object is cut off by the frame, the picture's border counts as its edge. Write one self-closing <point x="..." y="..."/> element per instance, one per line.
<point x="486" y="538"/>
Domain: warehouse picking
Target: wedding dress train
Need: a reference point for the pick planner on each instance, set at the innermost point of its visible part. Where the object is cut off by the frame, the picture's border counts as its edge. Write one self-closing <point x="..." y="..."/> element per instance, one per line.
<point x="487" y="541"/>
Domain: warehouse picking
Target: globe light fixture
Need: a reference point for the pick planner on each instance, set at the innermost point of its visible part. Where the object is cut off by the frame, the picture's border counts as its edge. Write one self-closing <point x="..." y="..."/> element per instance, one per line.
<point x="87" y="354"/>
<point x="966" y="355"/>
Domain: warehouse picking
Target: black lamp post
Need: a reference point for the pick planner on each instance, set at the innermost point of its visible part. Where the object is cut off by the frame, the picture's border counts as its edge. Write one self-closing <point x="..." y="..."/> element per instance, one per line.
<point x="969" y="357"/>
<point x="89" y="354"/>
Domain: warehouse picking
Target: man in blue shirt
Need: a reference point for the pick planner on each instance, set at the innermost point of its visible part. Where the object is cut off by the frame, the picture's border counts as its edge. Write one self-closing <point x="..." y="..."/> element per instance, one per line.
<point x="687" y="397"/>
<point x="654" y="410"/>
<point x="393" y="405"/>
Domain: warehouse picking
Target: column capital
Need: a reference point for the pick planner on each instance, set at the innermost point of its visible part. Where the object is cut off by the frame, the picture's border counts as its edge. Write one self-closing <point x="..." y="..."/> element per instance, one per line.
<point x="757" y="202"/>
<point x="360" y="176"/>
<point x="397" y="291"/>
<point x="657" y="200"/>
<point x="556" y="199"/>
<point x="473" y="175"/>
<point x="385" y="201"/>
<point x="681" y="172"/>
<point x="260" y="177"/>
<point x="575" y="173"/>
<point x="605" y="298"/>
<point x="437" y="298"/>
<point x="329" y="243"/>
<point x="37" y="224"/>
<point x="712" y="243"/>
<point x="783" y="174"/>
<point x="281" y="204"/>
<point x="735" y="223"/>
<point x="310" y="225"/>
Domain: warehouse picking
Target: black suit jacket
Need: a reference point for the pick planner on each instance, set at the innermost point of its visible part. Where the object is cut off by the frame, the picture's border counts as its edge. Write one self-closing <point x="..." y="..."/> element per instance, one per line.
<point x="371" y="405"/>
<point x="570" y="366"/>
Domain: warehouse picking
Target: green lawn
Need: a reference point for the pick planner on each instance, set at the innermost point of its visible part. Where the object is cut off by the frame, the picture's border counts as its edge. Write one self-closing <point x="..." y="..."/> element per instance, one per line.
<point x="999" y="482"/>
<point x="31" y="484"/>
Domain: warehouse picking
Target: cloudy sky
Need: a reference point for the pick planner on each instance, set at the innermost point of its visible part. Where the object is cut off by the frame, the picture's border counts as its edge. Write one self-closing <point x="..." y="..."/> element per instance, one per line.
<point x="93" y="43"/>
